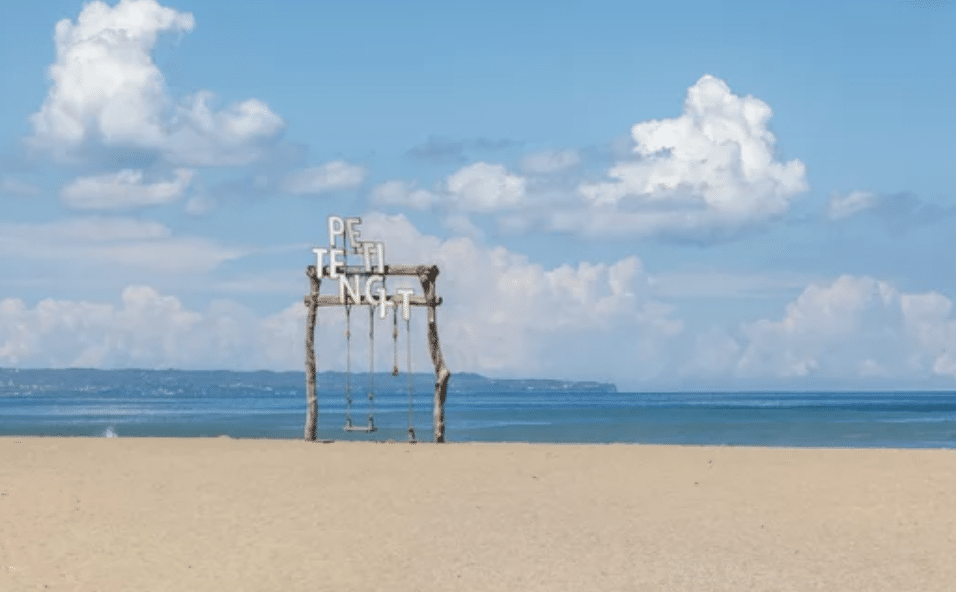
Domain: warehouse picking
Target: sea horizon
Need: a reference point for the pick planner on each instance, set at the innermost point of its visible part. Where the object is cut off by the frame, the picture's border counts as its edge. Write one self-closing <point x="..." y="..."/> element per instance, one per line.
<point x="269" y="404"/>
<point x="744" y="387"/>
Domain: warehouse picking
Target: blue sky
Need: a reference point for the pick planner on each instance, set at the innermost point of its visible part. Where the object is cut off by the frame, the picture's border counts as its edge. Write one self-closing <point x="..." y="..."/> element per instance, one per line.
<point x="675" y="195"/>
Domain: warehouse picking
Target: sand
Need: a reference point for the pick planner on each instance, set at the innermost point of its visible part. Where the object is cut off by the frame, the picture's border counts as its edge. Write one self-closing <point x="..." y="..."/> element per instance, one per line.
<point x="186" y="515"/>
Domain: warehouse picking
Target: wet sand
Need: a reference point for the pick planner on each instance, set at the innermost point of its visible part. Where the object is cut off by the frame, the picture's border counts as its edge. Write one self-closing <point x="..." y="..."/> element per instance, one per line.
<point x="143" y="514"/>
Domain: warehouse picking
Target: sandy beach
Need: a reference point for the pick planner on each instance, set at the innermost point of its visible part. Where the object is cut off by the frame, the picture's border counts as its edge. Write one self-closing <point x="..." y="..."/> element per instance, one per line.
<point x="114" y="514"/>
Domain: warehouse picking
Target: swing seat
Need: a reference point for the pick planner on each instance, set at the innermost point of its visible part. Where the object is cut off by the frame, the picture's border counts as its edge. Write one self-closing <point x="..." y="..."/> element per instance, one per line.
<point x="348" y="427"/>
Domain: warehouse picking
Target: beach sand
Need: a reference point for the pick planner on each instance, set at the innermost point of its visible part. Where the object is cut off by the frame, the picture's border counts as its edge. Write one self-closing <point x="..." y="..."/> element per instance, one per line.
<point x="184" y="515"/>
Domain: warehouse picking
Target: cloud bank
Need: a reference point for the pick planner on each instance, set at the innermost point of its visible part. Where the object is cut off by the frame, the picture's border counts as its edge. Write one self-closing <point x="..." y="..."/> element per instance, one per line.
<point x="503" y="315"/>
<point x="855" y="327"/>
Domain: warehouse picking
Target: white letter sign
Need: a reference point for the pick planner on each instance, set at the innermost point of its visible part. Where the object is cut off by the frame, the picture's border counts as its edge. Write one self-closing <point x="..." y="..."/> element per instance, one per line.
<point x="333" y="262"/>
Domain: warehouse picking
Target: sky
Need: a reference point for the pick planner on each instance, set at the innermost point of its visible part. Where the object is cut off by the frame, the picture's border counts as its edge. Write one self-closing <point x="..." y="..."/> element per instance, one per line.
<point x="668" y="195"/>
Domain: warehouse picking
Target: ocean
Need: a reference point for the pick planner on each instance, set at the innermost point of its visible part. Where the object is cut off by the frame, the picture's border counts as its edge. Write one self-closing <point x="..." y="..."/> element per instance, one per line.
<point x="172" y="403"/>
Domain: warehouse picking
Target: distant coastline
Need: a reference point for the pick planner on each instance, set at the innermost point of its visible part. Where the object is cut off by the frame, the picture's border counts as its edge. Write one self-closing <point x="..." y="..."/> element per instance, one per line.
<point x="463" y="382"/>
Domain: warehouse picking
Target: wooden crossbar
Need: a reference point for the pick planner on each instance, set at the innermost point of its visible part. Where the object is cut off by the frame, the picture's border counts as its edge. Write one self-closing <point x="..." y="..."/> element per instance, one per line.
<point x="405" y="270"/>
<point x="329" y="300"/>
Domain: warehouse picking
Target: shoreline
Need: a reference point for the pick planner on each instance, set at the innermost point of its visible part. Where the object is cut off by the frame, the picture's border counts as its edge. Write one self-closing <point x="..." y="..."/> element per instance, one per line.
<point x="138" y="513"/>
<point x="452" y="443"/>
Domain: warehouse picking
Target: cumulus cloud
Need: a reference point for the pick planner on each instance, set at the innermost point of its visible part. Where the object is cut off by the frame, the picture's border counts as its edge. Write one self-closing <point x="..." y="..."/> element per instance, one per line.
<point x="549" y="161"/>
<point x="124" y="190"/>
<point x="710" y="171"/>
<point x="331" y="176"/>
<point x="476" y="188"/>
<point x="234" y="136"/>
<point x="855" y="327"/>
<point x="148" y="330"/>
<point x="483" y="187"/>
<point x="505" y="314"/>
<point x="107" y="89"/>
<point x="113" y="241"/>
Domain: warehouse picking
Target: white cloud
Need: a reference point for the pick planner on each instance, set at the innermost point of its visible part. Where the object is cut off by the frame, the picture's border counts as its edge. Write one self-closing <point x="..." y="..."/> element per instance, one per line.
<point x="483" y="187"/>
<point x="844" y="206"/>
<point x="549" y="161"/>
<point x="331" y="176"/>
<point x="506" y="315"/>
<point x="107" y="89"/>
<point x="232" y="137"/>
<point x="710" y="170"/>
<point x="401" y="193"/>
<point x="854" y="327"/>
<point x="113" y="241"/>
<point x="478" y="187"/>
<point x="148" y="330"/>
<point x="10" y="186"/>
<point x="124" y="190"/>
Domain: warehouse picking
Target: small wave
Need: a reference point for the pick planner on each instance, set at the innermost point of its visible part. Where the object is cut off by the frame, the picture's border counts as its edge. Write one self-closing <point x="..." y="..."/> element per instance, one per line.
<point x="109" y="433"/>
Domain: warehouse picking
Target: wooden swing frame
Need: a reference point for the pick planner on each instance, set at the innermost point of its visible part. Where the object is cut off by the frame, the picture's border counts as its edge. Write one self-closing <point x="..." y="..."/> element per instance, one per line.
<point x="426" y="274"/>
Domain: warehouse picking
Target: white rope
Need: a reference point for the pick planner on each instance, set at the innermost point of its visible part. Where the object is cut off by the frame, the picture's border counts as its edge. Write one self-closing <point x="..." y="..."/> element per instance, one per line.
<point x="395" y="340"/>
<point x="348" y="365"/>
<point x="371" y="365"/>
<point x="411" y="398"/>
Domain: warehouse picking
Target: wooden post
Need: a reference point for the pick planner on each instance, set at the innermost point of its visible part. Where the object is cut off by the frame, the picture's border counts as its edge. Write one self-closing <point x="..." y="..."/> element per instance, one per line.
<point x="312" y="400"/>
<point x="427" y="278"/>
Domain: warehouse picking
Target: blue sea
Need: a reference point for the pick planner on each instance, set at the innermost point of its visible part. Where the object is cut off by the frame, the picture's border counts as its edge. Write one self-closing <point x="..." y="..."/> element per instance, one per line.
<point x="131" y="403"/>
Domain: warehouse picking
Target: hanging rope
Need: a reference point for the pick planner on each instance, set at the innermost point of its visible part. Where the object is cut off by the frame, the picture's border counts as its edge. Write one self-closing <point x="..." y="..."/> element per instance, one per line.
<point x="395" y="340"/>
<point x="411" y="398"/>
<point x="371" y="367"/>
<point x="348" y="366"/>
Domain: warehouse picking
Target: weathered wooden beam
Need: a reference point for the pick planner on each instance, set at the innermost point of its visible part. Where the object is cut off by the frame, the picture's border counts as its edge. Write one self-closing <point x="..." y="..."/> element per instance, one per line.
<point x="406" y="270"/>
<point x="312" y="400"/>
<point x="427" y="279"/>
<point x="329" y="300"/>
